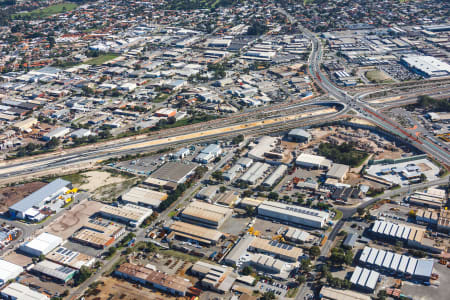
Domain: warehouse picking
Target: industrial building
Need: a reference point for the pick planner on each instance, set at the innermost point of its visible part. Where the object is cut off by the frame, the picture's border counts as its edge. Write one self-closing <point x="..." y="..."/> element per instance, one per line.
<point x="293" y="214"/>
<point x="365" y="279"/>
<point x="56" y="271"/>
<point x="338" y="171"/>
<point x="205" y="214"/>
<point x="229" y="198"/>
<point x="394" y="263"/>
<point x="311" y="161"/>
<point x="172" y="284"/>
<point x="8" y="271"/>
<point x="255" y="172"/>
<point x="70" y="258"/>
<point x="413" y="236"/>
<point x="299" y="135"/>
<point x="208" y="154"/>
<point x="17" y="291"/>
<point x="297" y="236"/>
<point x="277" y="268"/>
<point x="26" y="125"/>
<point x="144" y="197"/>
<point x="207" y="193"/>
<point x="160" y="184"/>
<point x="174" y="171"/>
<point x="231" y="173"/>
<point x="193" y="232"/>
<point x="129" y="214"/>
<point x="56" y="133"/>
<point x="275" y="176"/>
<point x="427" y="66"/>
<point x="267" y="148"/>
<point x="29" y="207"/>
<point x="432" y="197"/>
<point x="350" y="240"/>
<point x="98" y="233"/>
<point x="274" y="248"/>
<point x="216" y="278"/>
<point x="328" y="293"/>
<point x="41" y="245"/>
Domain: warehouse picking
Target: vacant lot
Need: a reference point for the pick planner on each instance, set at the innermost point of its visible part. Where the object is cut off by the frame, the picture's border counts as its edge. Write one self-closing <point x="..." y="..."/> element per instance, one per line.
<point x="101" y="59"/>
<point x="115" y="289"/>
<point x="72" y="219"/>
<point x="13" y="194"/>
<point x="51" y="10"/>
<point x="377" y="76"/>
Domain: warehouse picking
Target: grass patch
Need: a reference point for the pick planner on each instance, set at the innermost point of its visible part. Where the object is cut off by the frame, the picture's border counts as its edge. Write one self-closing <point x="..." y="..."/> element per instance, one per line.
<point x="161" y="97"/>
<point x="101" y="59"/>
<point x="377" y="76"/>
<point x="338" y="215"/>
<point x="345" y="153"/>
<point x="45" y="12"/>
<point x="292" y="292"/>
<point x="183" y="256"/>
<point x="172" y="214"/>
<point x="76" y="178"/>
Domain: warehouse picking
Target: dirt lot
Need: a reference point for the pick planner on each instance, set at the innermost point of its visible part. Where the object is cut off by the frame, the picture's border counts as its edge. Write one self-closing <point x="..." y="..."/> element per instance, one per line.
<point x="13" y="194"/>
<point x="115" y="289"/>
<point x="106" y="186"/>
<point x="71" y="220"/>
<point x="18" y="259"/>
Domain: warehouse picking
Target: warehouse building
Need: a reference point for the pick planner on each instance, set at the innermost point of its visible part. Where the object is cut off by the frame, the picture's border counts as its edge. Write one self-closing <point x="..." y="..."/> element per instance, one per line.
<point x="432" y="197"/>
<point x="98" y="233"/>
<point x="297" y="236"/>
<point x="159" y="184"/>
<point x="56" y="271"/>
<point x="172" y="284"/>
<point x="328" y="293"/>
<point x="56" y="133"/>
<point x="213" y="277"/>
<point x="255" y="172"/>
<point x="207" y="193"/>
<point x="175" y="171"/>
<point x="413" y="236"/>
<point x="208" y="154"/>
<point x="231" y="173"/>
<point x="229" y="198"/>
<point x="267" y="148"/>
<point x="311" y="161"/>
<point x="274" y="248"/>
<point x="41" y="245"/>
<point x="237" y="255"/>
<point x="8" y="271"/>
<point x="277" y="268"/>
<point x="299" y="135"/>
<point x="205" y="214"/>
<point x="26" y="125"/>
<point x="17" y="291"/>
<point x="70" y="258"/>
<point x="200" y="234"/>
<point x="28" y="207"/>
<point x="427" y="66"/>
<point x="293" y="214"/>
<point x="394" y="263"/>
<point x="129" y="214"/>
<point x="365" y="279"/>
<point x="275" y="176"/>
<point x="338" y="171"/>
<point x="144" y="197"/>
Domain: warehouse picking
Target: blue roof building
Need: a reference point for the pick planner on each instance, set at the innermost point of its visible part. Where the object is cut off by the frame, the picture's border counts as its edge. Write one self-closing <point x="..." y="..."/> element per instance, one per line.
<point x="38" y="199"/>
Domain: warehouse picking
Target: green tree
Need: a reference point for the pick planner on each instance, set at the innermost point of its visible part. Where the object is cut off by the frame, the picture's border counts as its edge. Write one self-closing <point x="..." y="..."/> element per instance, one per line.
<point x="314" y="251"/>
<point x="268" y="296"/>
<point x="273" y="196"/>
<point x="247" y="270"/>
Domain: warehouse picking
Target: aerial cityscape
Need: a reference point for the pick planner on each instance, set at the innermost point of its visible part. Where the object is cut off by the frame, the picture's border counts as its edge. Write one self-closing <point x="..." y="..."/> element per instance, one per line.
<point x="224" y="149"/>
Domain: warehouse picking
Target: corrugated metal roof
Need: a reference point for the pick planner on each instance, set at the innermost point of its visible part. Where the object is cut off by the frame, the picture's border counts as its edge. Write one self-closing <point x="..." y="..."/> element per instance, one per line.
<point x="355" y="276"/>
<point x="424" y="268"/>
<point x="38" y="196"/>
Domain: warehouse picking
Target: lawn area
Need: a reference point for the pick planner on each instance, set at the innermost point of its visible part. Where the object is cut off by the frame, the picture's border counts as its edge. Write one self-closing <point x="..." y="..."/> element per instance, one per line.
<point x="345" y="153"/>
<point x="101" y="59"/>
<point x="377" y="76"/>
<point x="45" y="12"/>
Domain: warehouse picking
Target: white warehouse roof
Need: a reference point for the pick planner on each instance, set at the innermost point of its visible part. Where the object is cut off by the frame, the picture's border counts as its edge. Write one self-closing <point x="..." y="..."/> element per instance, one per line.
<point x="42" y="244"/>
<point x="8" y="271"/>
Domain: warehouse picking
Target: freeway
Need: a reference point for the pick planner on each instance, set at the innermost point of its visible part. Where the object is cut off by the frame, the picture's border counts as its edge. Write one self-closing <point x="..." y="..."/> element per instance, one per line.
<point x="11" y="170"/>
